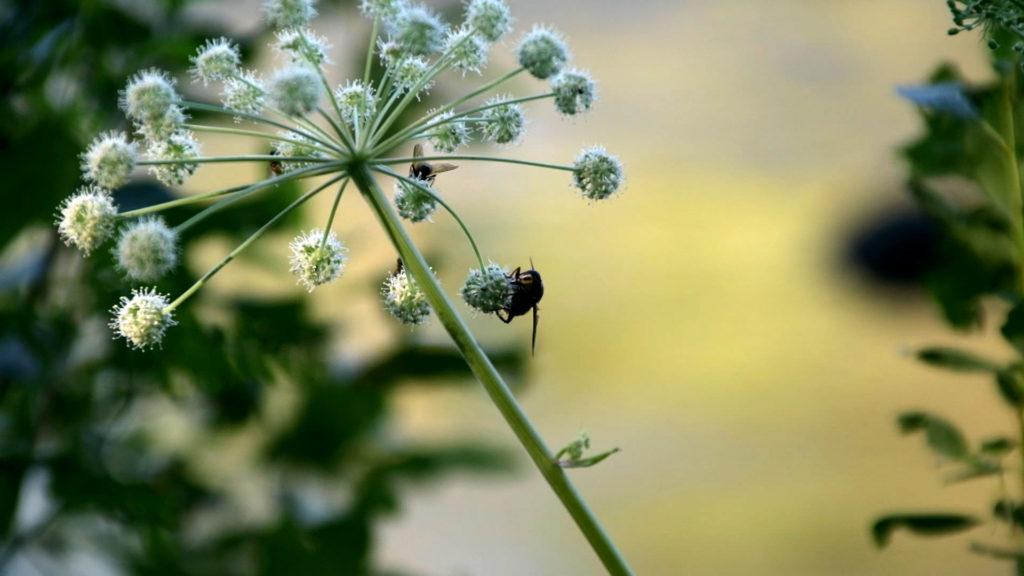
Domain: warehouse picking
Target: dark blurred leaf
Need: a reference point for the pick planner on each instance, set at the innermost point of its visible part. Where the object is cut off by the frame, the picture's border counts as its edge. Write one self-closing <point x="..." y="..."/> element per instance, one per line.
<point x="1009" y="511"/>
<point x="1010" y="384"/>
<point x="442" y="363"/>
<point x="955" y="359"/>
<point x="921" y="525"/>
<point x="998" y="446"/>
<point x="1013" y="327"/>
<point x="378" y="490"/>
<point x="941" y="435"/>
<point x="977" y="468"/>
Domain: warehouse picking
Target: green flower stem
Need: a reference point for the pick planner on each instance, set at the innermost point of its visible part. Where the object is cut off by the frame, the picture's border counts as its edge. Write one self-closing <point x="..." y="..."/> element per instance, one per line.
<point x="261" y="185"/>
<point x="240" y="158"/>
<point x="322" y="138"/>
<point x="410" y="159"/>
<point x="334" y="211"/>
<point x="428" y="191"/>
<point x="245" y="244"/>
<point x="1011" y="185"/>
<point x="488" y="376"/>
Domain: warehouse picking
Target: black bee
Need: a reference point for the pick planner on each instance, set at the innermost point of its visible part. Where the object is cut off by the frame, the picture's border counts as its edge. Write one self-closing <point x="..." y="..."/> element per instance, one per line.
<point x="424" y="170"/>
<point x="527" y="290"/>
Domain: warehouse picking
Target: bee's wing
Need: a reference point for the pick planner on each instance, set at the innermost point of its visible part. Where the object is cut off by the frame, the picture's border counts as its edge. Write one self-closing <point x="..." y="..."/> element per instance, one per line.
<point x="443" y="167"/>
<point x="417" y="151"/>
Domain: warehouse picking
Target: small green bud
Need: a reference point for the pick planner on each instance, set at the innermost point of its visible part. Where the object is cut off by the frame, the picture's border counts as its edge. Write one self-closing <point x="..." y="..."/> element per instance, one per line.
<point x="404" y="300"/>
<point x="467" y="50"/>
<point x="491" y="18"/>
<point x="302" y="46"/>
<point x="147" y="249"/>
<point x="295" y="90"/>
<point x="295" y="145"/>
<point x="388" y="10"/>
<point x="503" y="122"/>
<point x="449" y="134"/>
<point x="412" y="202"/>
<point x="356" y="100"/>
<point x="418" y="30"/>
<point x="149" y="97"/>
<point x="487" y="290"/>
<point x="408" y="71"/>
<point x="596" y="173"/>
<point x="543" y="52"/>
<point x="159" y="129"/>
<point x="574" y="92"/>
<point x="288" y="13"/>
<point x="245" y="93"/>
<point x="316" y="262"/>
<point x="215" y="61"/>
<point x="141" y="319"/>
<point x="176" y="149"/>
<point x="86" y="218"/>
<point x="110" y="159"/>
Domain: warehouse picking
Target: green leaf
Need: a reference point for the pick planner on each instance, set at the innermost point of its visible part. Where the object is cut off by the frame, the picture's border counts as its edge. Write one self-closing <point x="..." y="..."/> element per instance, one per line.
<point x="942" y="436"/>
<point x="586" y="462"/>
<point x="956" y="359"/>
<point x="998" y="446"/>
<point x="1011" y="386"/>
<point x="920" y="525"/>
<point x="1013" y="328"/>
<point x="979" y="468"/>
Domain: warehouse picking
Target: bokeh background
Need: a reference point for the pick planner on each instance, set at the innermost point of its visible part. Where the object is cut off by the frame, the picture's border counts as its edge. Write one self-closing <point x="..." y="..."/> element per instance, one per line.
<point x="708" y="321"/>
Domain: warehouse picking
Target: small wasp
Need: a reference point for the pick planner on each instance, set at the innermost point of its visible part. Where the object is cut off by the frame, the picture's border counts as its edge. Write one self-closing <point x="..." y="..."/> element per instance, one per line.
<point x="275" y="165"/>
<point x="424" y="170"/>
<point x="527" y="290"/>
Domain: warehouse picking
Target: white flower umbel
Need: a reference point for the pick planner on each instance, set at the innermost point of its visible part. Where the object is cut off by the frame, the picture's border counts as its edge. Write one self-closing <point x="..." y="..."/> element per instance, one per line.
<point x="574" y="92"/>
<point x="404" y="300"/>
<point x="487" y="290"/>
<point x="491" y="18"/>
<point x="413" y="202"/>
<point x="86" y="219"/>
<point x="109" y="160"/>
<point x="142" y="319"/>
<point x="295" y="90"/>
<point x="217" y="60"/>
<point x="289" y="13"/>
<point x="503" y="122"/>
<point x="543" y="52"/>
<point x="596" y="173"/>
<point x="147" y="249"/>
<point x="316" y="260"/>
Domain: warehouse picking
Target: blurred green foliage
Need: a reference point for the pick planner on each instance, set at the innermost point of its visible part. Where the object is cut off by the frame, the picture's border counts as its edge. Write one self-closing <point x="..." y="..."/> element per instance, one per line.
<point x="80" y="463"/>
<point x="965" y="174"/>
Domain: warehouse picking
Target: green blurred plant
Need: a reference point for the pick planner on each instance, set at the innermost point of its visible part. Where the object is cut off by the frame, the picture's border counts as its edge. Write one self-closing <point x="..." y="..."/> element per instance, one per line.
<point x="965" y="174"/>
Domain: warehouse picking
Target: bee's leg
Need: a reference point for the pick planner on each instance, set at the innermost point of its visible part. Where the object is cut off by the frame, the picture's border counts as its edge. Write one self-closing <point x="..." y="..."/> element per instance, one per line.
<point x="508" y="317"/>
<point x="533" y="340"/>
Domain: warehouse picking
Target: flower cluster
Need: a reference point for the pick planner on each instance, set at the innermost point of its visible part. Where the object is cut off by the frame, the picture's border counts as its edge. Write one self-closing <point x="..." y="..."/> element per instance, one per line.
<point x="404" y="299"/>
<point x="990" y="15"/>
<point x="338" y="134"/>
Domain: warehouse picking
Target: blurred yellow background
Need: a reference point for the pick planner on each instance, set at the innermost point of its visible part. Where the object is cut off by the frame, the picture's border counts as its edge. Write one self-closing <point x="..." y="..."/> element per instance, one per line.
<point x="703" y="321"/>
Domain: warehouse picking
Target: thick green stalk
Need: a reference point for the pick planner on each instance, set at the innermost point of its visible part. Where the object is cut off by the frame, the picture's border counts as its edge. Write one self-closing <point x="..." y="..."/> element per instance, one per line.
<point x="488" y="376"/>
